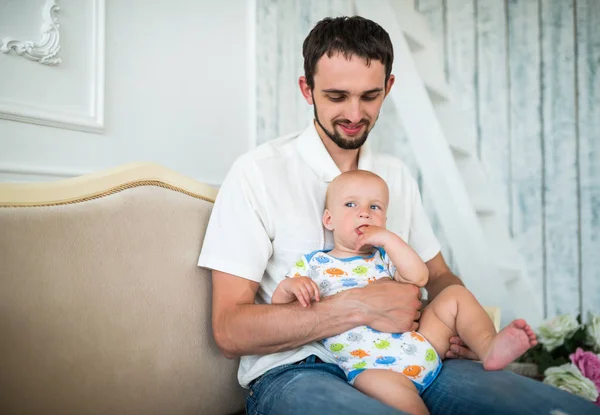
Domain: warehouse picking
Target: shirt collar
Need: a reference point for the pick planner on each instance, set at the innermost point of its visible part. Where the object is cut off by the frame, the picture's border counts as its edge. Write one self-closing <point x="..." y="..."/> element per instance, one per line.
<point x="314" y="153"/>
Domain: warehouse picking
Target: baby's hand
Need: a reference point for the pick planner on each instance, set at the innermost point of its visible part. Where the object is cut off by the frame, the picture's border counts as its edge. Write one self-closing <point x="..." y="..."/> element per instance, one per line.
<point x="372" y="236"/>
<point x="303" y="288"/>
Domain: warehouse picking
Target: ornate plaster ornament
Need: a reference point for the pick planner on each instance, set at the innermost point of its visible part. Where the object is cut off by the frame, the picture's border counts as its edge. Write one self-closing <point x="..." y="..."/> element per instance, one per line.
<point x="46" y="51"/>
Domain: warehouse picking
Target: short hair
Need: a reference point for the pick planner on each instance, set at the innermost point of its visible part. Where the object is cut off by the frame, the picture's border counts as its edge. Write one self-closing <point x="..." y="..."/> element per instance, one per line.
<point x="349" y="36"/>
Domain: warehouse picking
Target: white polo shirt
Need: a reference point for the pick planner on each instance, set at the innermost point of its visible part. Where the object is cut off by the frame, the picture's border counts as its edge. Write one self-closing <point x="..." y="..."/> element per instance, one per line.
<point x="268" y="214"/>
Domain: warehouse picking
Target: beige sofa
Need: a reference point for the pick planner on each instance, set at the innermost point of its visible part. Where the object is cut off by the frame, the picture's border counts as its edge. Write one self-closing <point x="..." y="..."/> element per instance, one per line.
<point x="102" y="307"/>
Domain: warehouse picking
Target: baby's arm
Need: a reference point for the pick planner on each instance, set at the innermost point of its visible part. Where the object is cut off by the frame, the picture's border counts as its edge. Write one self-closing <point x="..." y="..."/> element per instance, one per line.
<point x="409" y="266"/>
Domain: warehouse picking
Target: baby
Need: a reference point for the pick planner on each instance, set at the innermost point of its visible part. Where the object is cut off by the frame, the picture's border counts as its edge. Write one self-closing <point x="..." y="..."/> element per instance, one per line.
<point x="364" y="251"/>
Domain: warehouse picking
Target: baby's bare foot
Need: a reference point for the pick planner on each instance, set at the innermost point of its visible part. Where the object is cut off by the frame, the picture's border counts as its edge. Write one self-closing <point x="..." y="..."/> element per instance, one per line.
<point x="512" y="341"/>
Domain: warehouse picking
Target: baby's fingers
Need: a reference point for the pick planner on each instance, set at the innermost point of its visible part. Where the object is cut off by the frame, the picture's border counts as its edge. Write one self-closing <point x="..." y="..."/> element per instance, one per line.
<point x="300" y="296"/>
<point x="305" y="294"/>
<point x="315" y="291"/>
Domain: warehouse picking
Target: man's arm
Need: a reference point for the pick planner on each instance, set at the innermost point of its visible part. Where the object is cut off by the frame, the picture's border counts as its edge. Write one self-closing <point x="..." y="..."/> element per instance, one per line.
<point x="242" y="327"/>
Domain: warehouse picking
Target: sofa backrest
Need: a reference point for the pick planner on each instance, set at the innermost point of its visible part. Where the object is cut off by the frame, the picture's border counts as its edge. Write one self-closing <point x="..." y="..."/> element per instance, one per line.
<point x="102" y="307"/>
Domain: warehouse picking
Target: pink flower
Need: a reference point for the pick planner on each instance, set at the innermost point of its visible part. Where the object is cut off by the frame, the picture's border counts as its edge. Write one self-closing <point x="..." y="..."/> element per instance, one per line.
<point x="589" y="365"/>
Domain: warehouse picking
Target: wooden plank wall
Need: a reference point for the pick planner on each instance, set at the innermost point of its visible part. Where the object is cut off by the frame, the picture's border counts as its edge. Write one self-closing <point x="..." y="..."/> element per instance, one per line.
<point x="525" y="132"/>
<point x="527" y="77"/>
<point x="587" y="19"/>
<point x="560" y="156"/>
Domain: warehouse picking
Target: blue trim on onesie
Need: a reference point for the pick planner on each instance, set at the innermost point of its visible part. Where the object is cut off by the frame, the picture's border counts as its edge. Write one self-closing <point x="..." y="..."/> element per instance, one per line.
<point x="313" y="253"/>
<point x="310" y="256"/>
<point x="381" y="251"/>
<point x="353" y="258"/>
<point x="352" y="375"/>
<point x="430" y="379"/>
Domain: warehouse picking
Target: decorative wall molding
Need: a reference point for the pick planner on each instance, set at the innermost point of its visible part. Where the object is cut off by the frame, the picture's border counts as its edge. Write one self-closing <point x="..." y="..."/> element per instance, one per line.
<point x="45" y="171"/>
<point x="46" y="51"/>
<point x="58" y="173"/>
<point x="93" y="118"/>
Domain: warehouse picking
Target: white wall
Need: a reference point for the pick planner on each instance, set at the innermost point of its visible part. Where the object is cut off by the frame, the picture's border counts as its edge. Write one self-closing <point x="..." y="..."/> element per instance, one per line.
<point x="179" y="88"/>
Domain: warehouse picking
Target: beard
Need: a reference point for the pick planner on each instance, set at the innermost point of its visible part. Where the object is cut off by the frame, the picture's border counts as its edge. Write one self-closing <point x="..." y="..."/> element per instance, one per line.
<point x="342" y="142"/>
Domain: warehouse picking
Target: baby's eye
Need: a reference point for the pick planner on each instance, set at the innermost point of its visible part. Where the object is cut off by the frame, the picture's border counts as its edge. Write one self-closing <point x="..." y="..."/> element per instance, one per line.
<point x="350" y="204"/>
<point x="375" y="207"/>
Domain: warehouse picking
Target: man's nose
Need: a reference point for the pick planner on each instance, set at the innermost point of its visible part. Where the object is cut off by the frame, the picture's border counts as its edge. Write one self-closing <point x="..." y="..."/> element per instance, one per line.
<point x="354" y="111"/>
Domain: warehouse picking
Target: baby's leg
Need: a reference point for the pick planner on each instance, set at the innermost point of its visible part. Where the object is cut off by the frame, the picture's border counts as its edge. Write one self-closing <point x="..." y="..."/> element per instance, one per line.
<point x="456" y="311"/>
<point x="391" y="388"/>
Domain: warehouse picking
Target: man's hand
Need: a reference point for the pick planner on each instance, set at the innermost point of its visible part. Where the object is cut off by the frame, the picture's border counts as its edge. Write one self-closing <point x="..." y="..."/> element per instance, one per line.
<point x="303" y="289"/>
<point x="386" y="305"/>
<point x="458" y="350"/>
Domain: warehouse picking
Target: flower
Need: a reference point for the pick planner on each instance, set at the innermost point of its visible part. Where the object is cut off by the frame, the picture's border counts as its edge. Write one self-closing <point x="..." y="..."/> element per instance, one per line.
<point x="589" y="366"/>
<point x="568" y="377"/>
<point x="566" y="354"/>
<point x="588" y="363"/>
<point x="593" y="331"/>
<point x="553" y="332"/>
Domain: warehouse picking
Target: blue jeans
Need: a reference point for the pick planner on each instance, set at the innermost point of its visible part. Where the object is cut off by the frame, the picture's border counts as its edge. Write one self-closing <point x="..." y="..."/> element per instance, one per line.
<point x="462" y="387"/>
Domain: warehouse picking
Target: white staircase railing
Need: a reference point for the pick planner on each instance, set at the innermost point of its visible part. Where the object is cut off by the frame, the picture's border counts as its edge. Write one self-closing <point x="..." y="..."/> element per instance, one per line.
<point x="456" y="182"/>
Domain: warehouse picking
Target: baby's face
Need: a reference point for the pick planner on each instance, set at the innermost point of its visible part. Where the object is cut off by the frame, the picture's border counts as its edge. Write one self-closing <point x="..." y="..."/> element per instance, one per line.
<point x="355" y="202"/>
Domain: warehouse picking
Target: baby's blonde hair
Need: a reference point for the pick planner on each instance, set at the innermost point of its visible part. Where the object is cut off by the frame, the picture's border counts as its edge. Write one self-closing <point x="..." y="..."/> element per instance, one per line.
<point x="348" y="176"/>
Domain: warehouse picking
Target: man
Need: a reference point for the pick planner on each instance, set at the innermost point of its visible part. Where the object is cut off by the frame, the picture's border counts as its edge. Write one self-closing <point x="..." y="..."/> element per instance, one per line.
<point x="268" y="213"/>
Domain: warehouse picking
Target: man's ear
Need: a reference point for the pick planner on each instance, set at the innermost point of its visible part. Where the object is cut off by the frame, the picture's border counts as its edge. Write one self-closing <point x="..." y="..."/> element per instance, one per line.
<point x="327" y="220"/>
<point x="390" y="83"/>
<point x="306" y="90"/>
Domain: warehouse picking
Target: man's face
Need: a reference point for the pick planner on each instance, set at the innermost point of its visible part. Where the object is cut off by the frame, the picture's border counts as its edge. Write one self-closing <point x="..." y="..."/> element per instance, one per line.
<point x="347" y="97"/>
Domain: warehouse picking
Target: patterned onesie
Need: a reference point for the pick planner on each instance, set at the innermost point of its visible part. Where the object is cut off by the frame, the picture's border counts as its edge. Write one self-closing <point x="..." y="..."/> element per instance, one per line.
<point x="363" y="348"/>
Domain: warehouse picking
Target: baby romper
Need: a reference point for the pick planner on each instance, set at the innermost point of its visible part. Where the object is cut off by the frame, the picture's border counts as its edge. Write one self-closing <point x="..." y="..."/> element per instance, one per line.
<point x="363" y="347"/>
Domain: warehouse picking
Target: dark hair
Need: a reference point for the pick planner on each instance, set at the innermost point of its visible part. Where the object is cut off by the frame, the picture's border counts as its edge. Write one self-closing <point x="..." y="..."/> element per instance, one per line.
<point x="349" y="36"/>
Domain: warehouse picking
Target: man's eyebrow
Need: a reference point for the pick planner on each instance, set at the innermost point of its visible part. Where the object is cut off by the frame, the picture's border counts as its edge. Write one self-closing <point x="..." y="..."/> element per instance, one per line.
<point x="370" y="91"/>
<point x="341" y="91"/>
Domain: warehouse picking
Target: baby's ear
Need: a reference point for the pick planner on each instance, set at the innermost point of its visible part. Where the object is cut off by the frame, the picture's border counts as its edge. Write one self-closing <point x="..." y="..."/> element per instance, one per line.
<point x="327" y="220"/>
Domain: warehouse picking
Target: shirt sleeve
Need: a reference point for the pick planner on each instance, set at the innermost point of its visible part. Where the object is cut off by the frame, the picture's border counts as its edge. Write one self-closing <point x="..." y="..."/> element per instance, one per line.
<point x="237" y="240"/>
<point x="421" y="236"/>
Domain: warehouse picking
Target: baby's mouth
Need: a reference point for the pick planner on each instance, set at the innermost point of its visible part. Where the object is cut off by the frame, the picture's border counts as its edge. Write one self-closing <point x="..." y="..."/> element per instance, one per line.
<point x="359" y="231"/>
